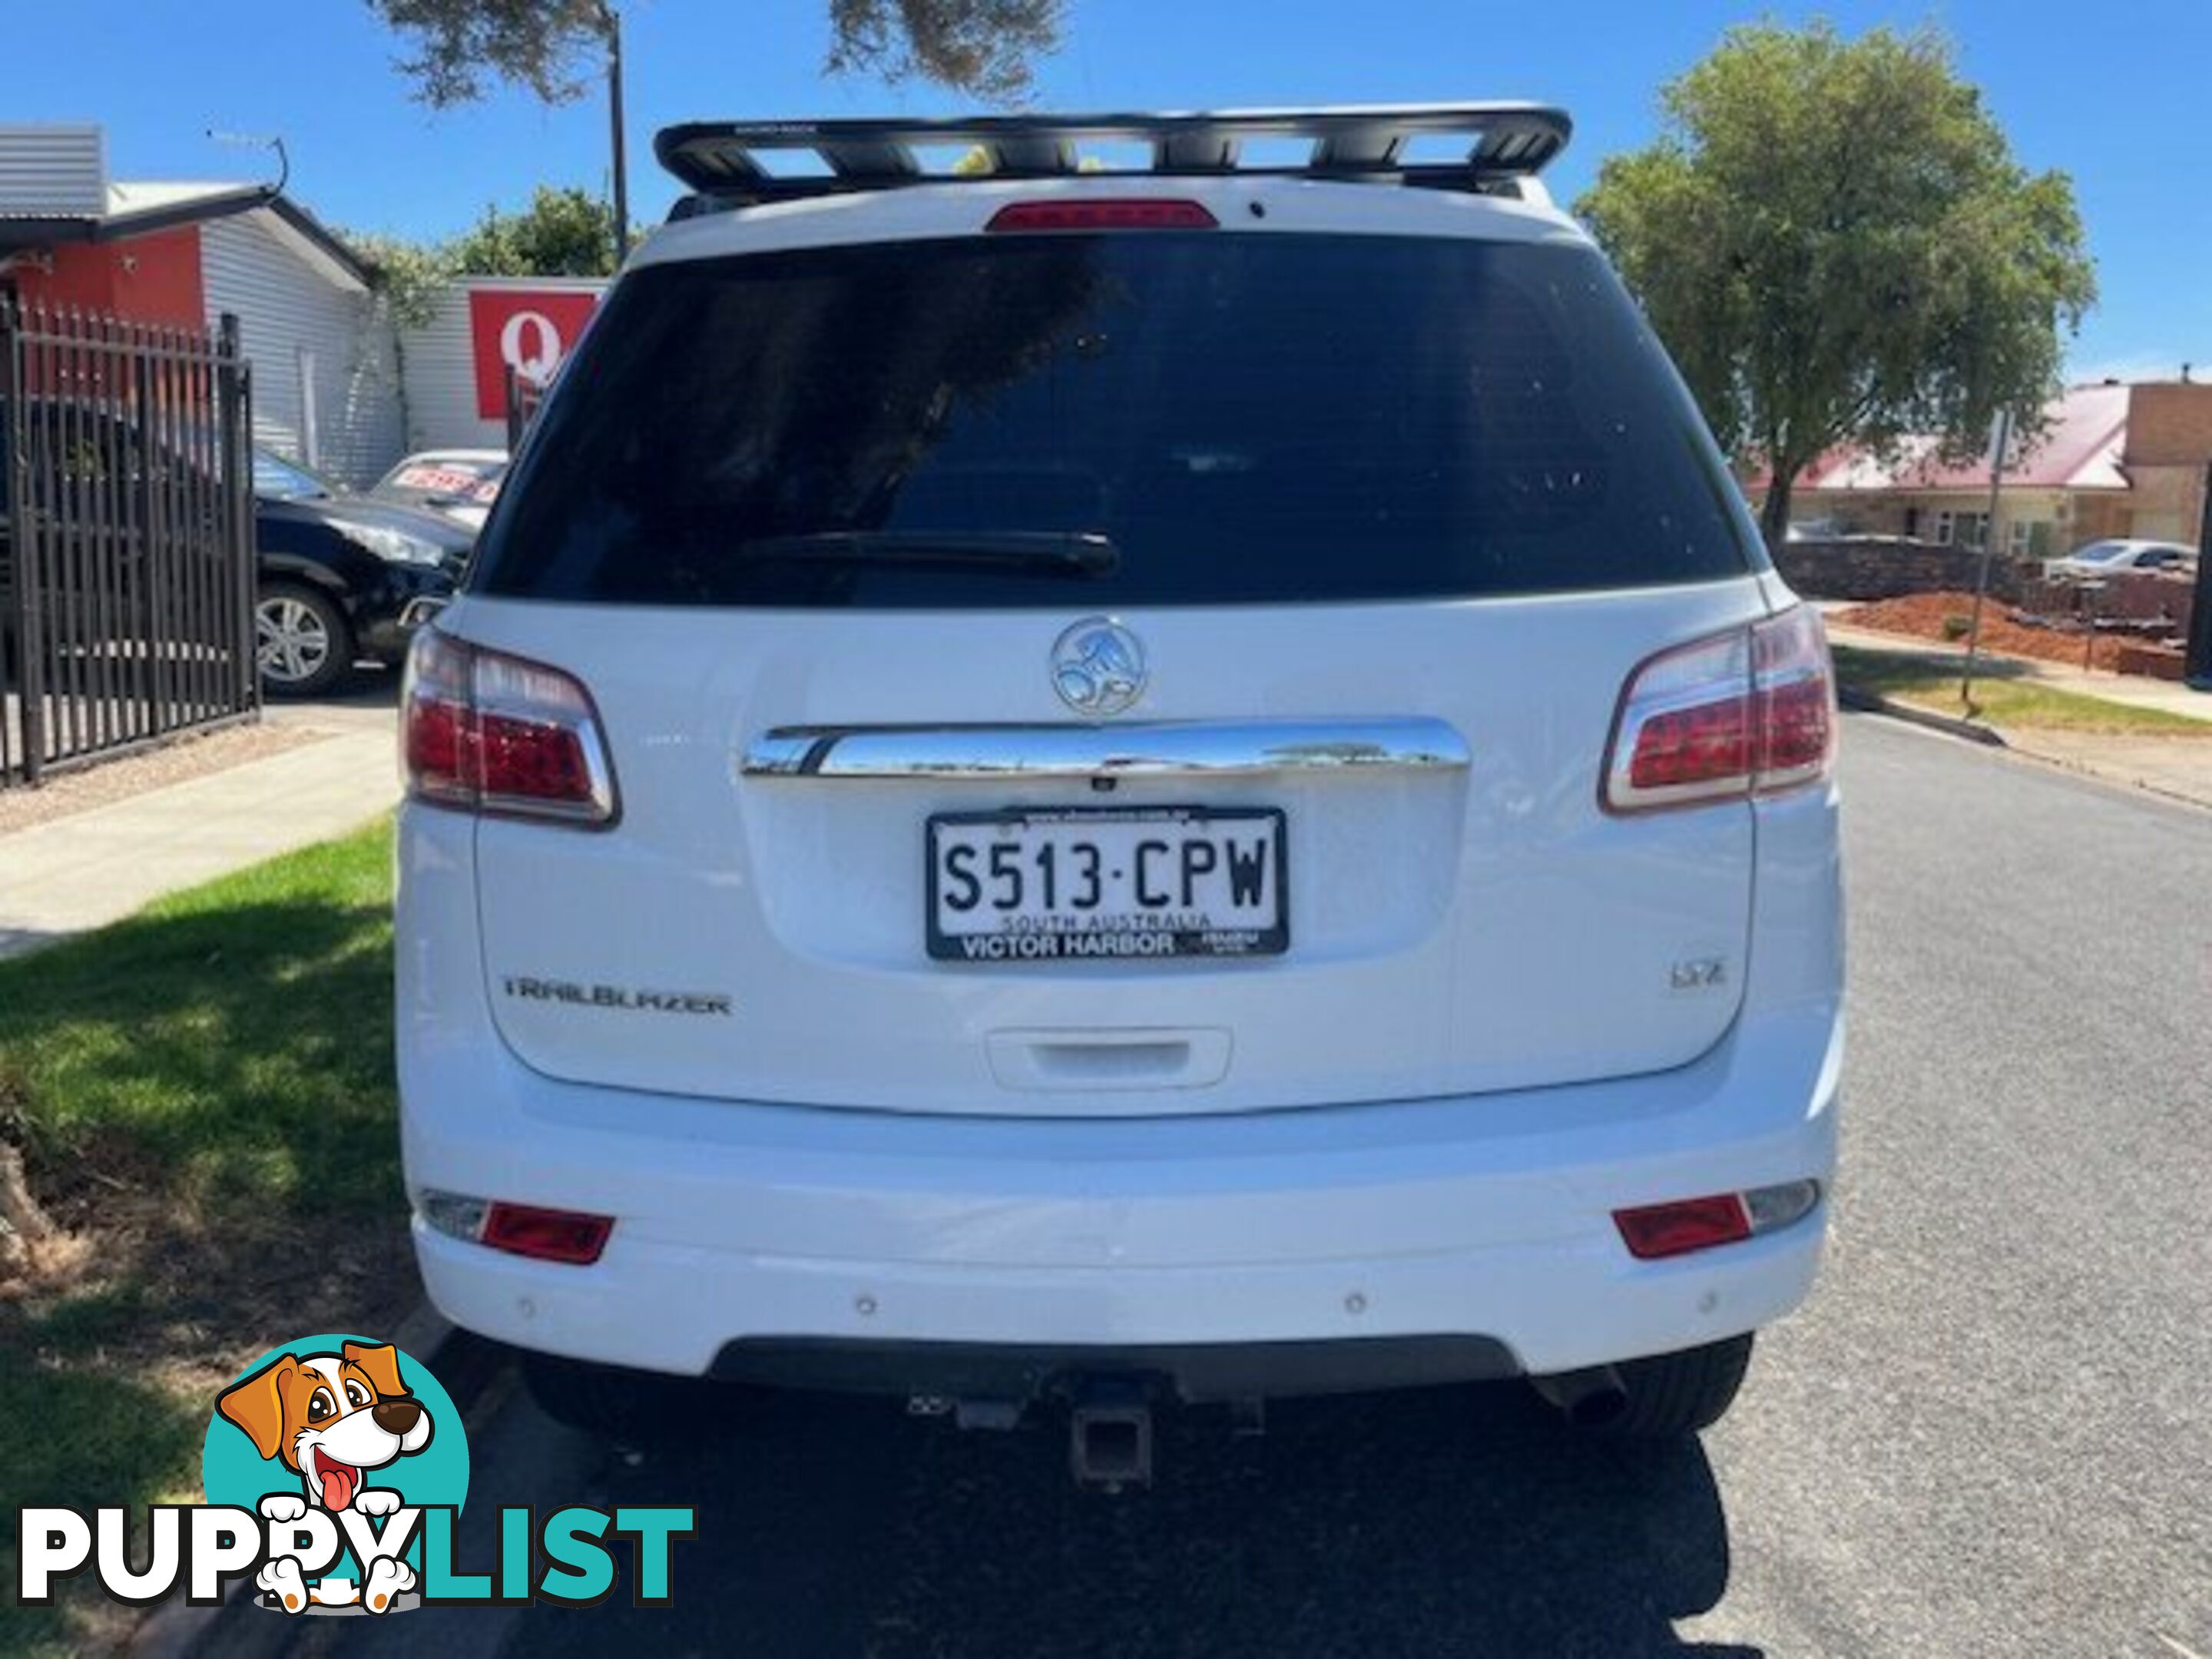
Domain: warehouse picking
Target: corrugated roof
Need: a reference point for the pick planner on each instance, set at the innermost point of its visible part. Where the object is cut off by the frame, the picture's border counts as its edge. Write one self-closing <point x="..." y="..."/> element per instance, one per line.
<point x="50" y="167"/>
<point x="134" y="208"/>
<point x="2079" y="448"/>
<point x="139" y="206"/>
<point x="160" y="195"/>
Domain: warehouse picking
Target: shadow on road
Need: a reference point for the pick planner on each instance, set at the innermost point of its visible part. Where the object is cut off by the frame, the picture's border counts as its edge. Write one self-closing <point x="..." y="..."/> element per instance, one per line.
<point x="1461" y="1520"/>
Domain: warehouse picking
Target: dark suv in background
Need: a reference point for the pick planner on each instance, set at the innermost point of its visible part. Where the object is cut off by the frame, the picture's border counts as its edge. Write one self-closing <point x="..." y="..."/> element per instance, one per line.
<point x="339" y="574"/>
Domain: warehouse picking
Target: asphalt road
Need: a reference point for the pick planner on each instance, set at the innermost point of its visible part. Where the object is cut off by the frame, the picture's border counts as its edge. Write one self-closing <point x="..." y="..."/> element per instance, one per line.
<point x="1989" y="1433"/>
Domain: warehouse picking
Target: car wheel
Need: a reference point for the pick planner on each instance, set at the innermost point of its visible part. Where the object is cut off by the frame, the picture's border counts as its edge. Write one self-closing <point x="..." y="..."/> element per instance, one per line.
<point x="300" y="642"/>
<point x="637" y="1408"/>
<point x="1671" y="1395"/>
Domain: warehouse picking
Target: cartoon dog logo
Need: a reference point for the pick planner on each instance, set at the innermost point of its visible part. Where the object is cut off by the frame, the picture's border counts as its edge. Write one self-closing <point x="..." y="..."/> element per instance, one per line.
<point x="330" y="1419"/>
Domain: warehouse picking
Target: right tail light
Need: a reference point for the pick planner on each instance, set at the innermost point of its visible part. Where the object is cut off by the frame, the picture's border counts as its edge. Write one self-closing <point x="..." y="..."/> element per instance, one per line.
<point x="1749" y="712"/>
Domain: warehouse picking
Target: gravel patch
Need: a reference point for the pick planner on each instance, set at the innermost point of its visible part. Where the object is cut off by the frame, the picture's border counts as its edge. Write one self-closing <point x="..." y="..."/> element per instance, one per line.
<point x="80" y="790"/>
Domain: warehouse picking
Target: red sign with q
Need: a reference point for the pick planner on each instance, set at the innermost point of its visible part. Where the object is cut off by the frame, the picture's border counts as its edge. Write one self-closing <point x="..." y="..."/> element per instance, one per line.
<point x="532" y="330"/>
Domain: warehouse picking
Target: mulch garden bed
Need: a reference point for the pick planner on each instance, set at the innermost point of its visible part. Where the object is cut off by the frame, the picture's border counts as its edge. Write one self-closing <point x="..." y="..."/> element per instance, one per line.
<point x="1929" y="617"/>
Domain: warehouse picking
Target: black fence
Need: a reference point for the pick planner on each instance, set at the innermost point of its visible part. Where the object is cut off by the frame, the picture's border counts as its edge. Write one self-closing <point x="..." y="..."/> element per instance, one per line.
<point x="126" y="535"/>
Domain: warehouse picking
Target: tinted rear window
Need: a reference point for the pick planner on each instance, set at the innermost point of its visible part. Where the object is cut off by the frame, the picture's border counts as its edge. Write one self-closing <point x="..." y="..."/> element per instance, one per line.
<point x="1247" y="418"/>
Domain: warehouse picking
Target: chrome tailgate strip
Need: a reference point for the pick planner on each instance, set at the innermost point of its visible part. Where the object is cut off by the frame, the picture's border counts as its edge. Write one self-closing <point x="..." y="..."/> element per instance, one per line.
<point x="1156" y="749"/>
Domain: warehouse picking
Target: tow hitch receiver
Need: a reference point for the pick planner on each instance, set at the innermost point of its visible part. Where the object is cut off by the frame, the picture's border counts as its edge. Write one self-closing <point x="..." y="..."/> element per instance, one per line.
<point x="1110" y="1436"/>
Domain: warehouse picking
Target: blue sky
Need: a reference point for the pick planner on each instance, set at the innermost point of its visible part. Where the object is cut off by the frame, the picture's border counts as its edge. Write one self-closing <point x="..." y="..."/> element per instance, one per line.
<point x="2118" y="93"/>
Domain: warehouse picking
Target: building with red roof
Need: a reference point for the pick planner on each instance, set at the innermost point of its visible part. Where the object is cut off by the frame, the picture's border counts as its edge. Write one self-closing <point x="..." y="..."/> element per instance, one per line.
<point x="2112" y="459"/>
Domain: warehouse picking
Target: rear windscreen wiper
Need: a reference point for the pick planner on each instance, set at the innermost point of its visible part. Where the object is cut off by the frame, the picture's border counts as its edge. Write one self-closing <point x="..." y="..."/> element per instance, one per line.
<point x="1046" y="552"/>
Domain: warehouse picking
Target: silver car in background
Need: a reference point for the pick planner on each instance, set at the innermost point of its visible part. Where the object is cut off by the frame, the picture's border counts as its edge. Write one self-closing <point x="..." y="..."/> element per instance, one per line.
<point x="2114" y="558"/>
<point x="459" y="484"/>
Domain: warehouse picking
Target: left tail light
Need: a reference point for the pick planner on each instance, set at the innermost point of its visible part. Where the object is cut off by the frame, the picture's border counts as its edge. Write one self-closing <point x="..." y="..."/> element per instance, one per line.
<point x="485" y="732"/>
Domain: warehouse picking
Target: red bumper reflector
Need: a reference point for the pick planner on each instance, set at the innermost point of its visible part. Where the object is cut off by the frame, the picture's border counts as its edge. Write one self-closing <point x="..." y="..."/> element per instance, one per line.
<point x="1134" y="213"/>
<point x="1692" y="1223"/>
<point x="547" y="1235"/>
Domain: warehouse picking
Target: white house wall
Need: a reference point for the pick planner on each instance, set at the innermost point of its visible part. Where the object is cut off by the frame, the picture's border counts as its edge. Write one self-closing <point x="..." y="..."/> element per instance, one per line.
<point x="441" y="395"/>
<point x="439" y="365"/>
<point x="286" y="306"/>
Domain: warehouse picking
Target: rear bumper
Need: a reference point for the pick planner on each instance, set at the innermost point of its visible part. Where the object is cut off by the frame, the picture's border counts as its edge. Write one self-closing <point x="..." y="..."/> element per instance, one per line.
<point x="753" y="1247"/>
<point x="1310" y="1325"/>
<point x="1413" y="1240"/>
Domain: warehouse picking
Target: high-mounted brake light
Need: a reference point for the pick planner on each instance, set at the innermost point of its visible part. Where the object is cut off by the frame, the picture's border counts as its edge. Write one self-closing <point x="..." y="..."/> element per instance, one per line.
<point x="1133" y="213"/>
<point x="484" y="732"/>
<point x="1751" y="711"/>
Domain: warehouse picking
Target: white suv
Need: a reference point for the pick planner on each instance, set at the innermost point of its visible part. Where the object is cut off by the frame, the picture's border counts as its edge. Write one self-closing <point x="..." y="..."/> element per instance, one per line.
<point x="1181" y="781"/>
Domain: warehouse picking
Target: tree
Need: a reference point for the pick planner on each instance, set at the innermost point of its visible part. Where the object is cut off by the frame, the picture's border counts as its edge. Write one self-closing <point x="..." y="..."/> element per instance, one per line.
<point x="551" y="47"/>
<point x="555" y="48"/>
<point x="1833" y="239"/>
<point x="408" y="275"/>
<point x="563" y="233"/>
<point x="981" y="47"/>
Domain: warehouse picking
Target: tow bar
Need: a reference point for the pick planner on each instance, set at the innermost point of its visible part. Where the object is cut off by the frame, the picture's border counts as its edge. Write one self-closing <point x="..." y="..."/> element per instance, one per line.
<point x="1111" y="1434"/>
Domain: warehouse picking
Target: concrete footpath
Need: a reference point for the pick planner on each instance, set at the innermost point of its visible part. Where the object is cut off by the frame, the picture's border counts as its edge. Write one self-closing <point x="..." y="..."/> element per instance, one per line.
<point x="95" y="866"/>
<point x="2180" y="768"/>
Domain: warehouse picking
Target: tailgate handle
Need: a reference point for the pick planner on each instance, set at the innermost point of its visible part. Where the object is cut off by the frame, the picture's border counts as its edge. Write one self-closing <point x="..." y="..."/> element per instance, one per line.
<point x="1136" y="748"/>
<point x="1145" y="1058"/>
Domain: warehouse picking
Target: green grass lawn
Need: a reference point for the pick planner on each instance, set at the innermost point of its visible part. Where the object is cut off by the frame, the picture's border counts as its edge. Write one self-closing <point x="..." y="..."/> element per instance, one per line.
<point x="2002" y="696"/>
<point x="204" y="1098"/>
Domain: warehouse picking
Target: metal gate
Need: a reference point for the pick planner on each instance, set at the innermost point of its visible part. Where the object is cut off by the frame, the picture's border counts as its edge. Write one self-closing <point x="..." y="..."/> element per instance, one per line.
<point x="126" y="535"/>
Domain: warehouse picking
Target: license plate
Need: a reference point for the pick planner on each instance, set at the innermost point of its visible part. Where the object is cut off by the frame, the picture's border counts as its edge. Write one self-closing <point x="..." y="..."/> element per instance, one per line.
<point x="1084" y="885"/>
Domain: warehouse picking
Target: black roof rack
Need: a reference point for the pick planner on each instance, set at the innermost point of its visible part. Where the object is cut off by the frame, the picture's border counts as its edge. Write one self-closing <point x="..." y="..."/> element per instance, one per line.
<point x="722" y="160"/>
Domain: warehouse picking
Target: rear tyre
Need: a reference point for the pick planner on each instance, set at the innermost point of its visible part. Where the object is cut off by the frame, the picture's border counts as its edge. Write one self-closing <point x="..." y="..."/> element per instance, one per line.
<point x="1671" y="1395"/>
<point x="301" y="642"/>
<point x="637" y="1408"/>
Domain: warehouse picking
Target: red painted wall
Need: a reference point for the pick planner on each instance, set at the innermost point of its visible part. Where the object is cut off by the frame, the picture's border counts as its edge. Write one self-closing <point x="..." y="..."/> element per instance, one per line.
<point x="154" y="278"/>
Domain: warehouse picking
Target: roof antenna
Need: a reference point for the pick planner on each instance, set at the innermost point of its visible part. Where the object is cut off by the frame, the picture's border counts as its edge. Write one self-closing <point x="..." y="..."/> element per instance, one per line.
<point x="258" y="141"/>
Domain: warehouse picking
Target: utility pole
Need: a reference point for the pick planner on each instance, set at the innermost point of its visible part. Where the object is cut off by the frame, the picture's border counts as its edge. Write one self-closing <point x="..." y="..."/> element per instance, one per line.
<point x="2000" y="441"/>
<point x="2197" y="665"/>
<point x="613" y="18"/>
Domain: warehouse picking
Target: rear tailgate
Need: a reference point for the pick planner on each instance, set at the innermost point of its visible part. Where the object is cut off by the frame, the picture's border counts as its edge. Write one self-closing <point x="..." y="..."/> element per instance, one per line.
<point x="1440" y="483"/>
